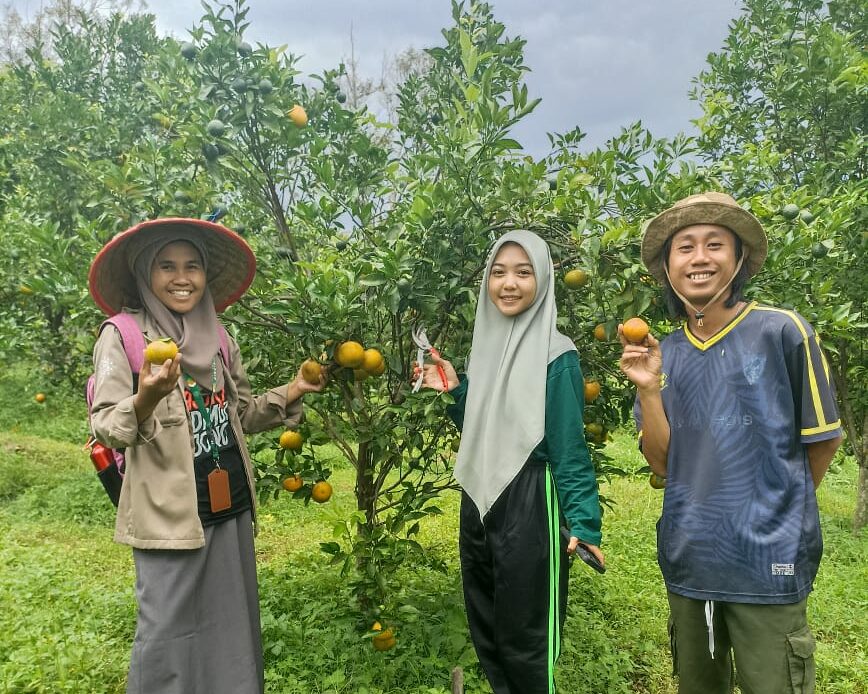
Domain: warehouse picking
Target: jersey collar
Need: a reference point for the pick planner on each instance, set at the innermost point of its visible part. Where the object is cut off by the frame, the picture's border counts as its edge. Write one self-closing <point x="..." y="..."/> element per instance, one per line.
<point x="717" y="337"/>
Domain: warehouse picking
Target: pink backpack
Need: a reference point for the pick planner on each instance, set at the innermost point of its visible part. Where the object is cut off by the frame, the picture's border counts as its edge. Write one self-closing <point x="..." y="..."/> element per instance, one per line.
<point x="109" y="462"/>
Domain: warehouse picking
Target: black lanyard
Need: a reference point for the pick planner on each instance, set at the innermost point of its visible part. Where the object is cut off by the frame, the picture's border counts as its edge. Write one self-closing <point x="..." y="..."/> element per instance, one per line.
<point x="194" y="389"/>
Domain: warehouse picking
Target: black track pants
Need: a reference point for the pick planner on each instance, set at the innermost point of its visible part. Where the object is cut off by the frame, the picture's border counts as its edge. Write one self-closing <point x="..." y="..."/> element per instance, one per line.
<point x="515" y="588"/>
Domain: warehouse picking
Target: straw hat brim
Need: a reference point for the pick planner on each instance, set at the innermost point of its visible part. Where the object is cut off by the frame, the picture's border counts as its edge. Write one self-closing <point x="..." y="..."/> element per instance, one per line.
<point x="739" y="221"/>
<point x="231" y="264"/>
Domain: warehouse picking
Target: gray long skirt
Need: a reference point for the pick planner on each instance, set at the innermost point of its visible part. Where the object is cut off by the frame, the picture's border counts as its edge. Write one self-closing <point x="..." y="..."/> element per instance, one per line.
<point x="198" y="626"/>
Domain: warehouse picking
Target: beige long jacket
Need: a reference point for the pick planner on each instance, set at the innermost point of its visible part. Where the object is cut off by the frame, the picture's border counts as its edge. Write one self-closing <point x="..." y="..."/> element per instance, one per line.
<point x="158" y="507"/>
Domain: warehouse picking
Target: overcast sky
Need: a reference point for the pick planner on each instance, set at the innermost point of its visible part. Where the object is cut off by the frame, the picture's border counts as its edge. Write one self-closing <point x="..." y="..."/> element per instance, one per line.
<point x="598" y="64"/>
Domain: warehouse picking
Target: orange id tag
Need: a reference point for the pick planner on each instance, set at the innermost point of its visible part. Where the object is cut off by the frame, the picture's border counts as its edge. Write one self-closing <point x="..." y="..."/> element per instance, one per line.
<point x="218" y="490"/>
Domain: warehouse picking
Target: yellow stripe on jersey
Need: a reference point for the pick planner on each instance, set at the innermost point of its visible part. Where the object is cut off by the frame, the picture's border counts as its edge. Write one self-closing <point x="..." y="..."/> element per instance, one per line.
<point x="812" y="377"/>
<point x="699" y="344"/>
<point x="823" y="357"/>
<point x="822" y="429"/>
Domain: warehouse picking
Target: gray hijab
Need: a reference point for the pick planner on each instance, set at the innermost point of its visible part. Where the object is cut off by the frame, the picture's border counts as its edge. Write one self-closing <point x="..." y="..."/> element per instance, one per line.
<point x="504" y="417"/>
<point x="195" y="332"/>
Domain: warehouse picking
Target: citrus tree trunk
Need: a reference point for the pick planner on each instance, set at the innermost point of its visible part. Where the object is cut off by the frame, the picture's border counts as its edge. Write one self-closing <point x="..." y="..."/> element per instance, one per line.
<point x="860" y="517"/>
<point x="366" y="499"/>
<point x="366" y="494"/>
<point x="860" y="448"/>
<point x="854" y="418"/>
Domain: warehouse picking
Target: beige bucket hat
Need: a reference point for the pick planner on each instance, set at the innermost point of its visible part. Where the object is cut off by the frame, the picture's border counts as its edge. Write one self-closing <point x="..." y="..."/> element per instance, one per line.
<point x="231" y="263"/>
<point x="704" y="208"/>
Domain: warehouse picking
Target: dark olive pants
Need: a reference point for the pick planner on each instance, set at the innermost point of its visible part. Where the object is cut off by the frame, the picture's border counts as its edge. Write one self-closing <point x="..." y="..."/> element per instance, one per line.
<point x="772" y="647"/>
<point x="515" y="574"/>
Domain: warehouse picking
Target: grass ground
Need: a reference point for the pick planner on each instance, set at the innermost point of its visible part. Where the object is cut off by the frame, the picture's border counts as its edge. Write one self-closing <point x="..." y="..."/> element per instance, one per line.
<point x="67" y="609"/>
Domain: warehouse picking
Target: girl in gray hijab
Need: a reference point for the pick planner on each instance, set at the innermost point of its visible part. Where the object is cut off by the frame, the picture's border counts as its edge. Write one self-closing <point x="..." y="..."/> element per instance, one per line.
<point x="527" y="478"/>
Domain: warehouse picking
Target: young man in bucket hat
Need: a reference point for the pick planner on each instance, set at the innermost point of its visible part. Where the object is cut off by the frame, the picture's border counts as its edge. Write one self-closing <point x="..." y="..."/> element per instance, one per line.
<point x="736" y="411"/>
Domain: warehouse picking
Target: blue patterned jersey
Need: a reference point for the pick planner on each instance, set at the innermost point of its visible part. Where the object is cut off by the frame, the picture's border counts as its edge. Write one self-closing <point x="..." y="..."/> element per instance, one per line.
<point x="740" y="520"/>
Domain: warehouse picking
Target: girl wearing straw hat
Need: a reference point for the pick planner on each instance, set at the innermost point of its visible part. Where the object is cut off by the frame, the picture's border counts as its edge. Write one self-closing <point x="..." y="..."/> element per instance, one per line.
<point x="187" y="503"/>
<point x="523" y="465"/>
<point x="736" y="410"/>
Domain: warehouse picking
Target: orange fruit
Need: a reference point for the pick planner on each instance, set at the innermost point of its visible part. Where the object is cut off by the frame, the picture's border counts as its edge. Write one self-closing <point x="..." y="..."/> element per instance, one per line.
<point x="350" y="355"/>
<point x="321" y="492"/>
<point x="377" y="627"/>
<point x="600" y="332"/>
<point x="293" y="484"/>
<point x="656" y="481"/>
<point x="592" y="391"/>
<point x="159" y="350"/>
<point x="291" y="440"/>
<point x="595" y="431"/>
<point x="311" y="371"/>
<point x="39" y="397"/>
<point x="575" y="279"/>
<point x="635" y="330"/>
<point x="385" y="640"/>
<point x="372" y="362"/>
<point x="297" y="115"/>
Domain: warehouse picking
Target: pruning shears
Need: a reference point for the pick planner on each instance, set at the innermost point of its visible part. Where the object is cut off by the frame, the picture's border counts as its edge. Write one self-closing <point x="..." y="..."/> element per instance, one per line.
<point x="423" y="346"/>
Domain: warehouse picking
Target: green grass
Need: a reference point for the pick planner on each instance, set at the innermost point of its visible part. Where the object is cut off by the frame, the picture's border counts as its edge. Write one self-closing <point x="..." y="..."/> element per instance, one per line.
<point x="67" y="608"/>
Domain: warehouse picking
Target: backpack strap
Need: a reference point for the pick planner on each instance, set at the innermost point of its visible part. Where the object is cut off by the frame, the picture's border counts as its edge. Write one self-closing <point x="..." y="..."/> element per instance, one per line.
<point x="134" y="340"/>
<point x="224" y="344"/>
<point x="131" y="337"/>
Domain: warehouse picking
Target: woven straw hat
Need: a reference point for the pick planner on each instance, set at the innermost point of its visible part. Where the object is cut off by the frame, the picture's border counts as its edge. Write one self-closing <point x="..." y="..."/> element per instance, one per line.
<point x="705" y="208"/>
<point x="231" y="264"/>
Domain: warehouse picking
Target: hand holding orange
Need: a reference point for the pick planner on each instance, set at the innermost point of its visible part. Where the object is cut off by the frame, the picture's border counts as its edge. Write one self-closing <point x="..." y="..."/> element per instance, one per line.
<point x="311" y="371"/>
<point x="158" y="351"/>
<point x="635" y="330"/>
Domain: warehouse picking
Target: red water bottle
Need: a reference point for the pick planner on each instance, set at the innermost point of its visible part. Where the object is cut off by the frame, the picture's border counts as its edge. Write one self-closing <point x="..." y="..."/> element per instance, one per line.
<point x="100" y="456"/>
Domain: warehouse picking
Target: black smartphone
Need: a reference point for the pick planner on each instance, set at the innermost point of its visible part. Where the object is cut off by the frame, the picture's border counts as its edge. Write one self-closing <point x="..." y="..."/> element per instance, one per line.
<point x="589" y="558"/>
<point x="584" y="554"/>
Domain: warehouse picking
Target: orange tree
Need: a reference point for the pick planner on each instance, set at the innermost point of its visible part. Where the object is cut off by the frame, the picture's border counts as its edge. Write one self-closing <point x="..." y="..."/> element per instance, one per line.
<point x="73" y="119"/>
<point x="366" y="229"/>
<point x="362" y="230"/>
<point x="783" y="120"/>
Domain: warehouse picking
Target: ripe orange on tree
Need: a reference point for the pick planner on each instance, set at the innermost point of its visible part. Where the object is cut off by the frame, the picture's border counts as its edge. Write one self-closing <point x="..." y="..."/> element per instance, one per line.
<point x="311" y="371"/>
<point x="595" y="431"/>
<point x="293" y="483"/>
<point x="39" y="397"/>
<point x="372" y="362"/>
<point x="384" y="640"/>
<point x="600" y="332"/>
<point x="291" y="440"/>
<point x="576" y="278"/>
<point x="350" y="355"/>
<point x="159" y="350"/>
<point x="635" y="330"/>
<point x="321" y="492"/>
<point x="592" y="390"/>
<point x="297" y="115"/>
